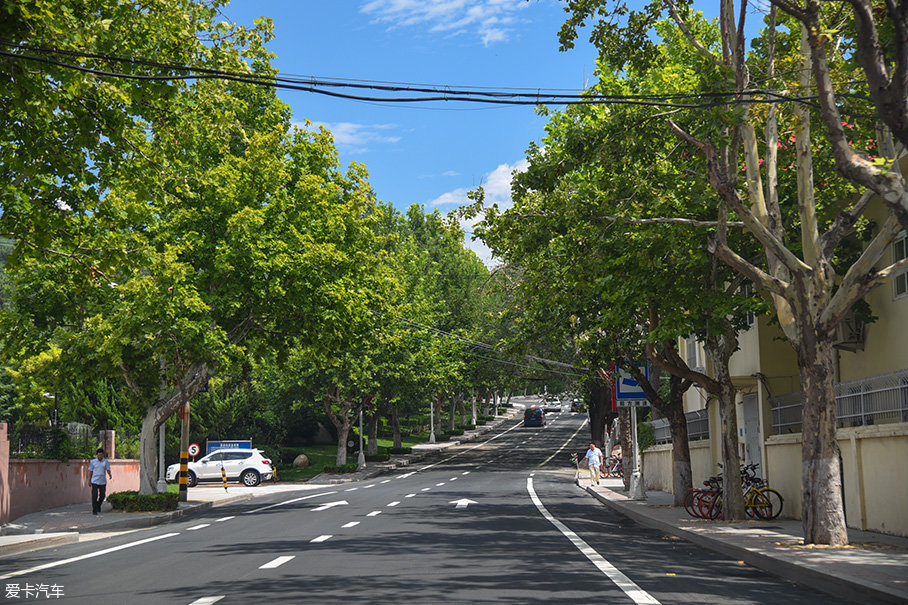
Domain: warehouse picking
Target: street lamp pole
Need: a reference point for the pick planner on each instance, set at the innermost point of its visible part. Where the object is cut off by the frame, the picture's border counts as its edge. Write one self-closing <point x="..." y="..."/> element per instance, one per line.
<point x="431" y="421"/>
<point x="361" y="461"/>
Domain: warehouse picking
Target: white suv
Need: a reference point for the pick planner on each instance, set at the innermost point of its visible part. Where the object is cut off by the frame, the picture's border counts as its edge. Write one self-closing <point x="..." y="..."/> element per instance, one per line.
<point x="250" y="467"/>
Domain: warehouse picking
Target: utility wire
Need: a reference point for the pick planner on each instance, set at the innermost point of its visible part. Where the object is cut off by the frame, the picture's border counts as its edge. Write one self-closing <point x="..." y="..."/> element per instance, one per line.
<point x="329" y="87"/>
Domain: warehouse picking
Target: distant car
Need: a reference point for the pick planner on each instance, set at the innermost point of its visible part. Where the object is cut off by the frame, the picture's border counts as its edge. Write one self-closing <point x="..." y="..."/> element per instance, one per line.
<point x="552" y="405"/>
<point x="249" y="467"/>
<point x="577" y="405"/>
<point x="534" y="417"/>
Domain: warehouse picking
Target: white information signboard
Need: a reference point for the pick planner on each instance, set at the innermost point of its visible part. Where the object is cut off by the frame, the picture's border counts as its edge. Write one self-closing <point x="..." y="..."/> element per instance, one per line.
<point x="628" y="392"/>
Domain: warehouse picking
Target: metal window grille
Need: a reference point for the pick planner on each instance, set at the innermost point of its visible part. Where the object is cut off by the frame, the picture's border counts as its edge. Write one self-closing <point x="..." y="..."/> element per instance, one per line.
<point x="899" y="252"/>
<point x="879" y="399"/>
<point x="697" y="427"/>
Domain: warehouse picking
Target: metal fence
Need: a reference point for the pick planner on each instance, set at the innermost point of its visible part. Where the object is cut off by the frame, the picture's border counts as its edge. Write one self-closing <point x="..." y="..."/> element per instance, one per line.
<point x="879" y="399"/>
<point x="697" y="427"/>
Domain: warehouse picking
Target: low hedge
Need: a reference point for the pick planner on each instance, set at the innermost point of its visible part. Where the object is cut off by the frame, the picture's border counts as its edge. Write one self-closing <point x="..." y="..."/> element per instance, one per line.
<point x="400" y="450"/>
<point x="381" y="456"/>
<point x="134" y="502"/>
<point x="350" y="467"/>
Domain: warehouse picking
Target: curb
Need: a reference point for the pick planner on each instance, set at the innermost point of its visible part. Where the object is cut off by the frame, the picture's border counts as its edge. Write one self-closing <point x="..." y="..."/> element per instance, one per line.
<point x="28" y="542"/>
<point x="847" y="588"/>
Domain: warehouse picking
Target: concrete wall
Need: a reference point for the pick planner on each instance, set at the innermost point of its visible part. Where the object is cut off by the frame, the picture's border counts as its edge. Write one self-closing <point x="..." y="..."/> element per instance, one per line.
<point x="40" y="484"/>
<point x="657" y="465"/>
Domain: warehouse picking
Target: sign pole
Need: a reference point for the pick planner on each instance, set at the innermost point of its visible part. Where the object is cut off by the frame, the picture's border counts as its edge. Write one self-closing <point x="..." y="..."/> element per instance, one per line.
<point x="636" y="491"/>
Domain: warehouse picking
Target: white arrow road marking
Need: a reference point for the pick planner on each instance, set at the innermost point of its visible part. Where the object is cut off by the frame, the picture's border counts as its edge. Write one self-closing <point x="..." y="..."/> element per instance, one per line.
<point x="258" y="510"/>
<point x="328" y="505"/>
<point x="636" y="593"/>
<point x="224" y="519"/>
<point x="350" y="524"/>
<point x="374" y="513"/>
<point x="463" y="503"/>
<point x="195" y="527"/>
<point x="207" y="600"/>
<point x="86" y="556"/>
<point x="395" y="503"/>
<point x="277" y="562"/>
<point x="321" y="538"/>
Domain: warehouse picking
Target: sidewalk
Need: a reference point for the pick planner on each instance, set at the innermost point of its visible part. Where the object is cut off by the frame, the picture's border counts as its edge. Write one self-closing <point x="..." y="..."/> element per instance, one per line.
<point x="874" y="569"/>
<point x="67" y="524"/>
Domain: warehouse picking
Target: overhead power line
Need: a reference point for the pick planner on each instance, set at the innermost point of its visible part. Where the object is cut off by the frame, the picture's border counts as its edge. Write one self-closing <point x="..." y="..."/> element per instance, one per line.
<point x="403" y="92"/>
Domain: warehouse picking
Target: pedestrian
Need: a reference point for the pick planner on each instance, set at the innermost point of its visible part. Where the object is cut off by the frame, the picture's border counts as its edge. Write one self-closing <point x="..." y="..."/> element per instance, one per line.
<point x="96" y="468"/>
<point x="594" y="460"/>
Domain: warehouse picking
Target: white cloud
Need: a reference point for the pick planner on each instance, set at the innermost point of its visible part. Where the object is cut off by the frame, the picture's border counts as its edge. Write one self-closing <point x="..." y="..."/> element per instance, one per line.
<point x="356" y="138"/>
<point x="491" y="20"/>
<point x="497" y="187"/>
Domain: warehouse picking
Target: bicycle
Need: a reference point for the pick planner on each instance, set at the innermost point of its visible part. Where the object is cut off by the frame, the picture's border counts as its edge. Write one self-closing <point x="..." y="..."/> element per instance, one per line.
<point x="613" y="468"/>
<point x="760" y="501"/>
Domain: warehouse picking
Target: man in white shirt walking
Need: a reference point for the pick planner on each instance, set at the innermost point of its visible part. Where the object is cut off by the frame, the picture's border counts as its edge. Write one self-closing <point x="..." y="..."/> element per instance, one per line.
<point x="594" y="460"/>
<point x="97" y="468"/>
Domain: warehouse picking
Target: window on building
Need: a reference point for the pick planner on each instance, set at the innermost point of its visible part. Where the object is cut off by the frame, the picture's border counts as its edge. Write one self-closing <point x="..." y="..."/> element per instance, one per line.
<point x="900" y="252"/>
<point x="748" y="290"/>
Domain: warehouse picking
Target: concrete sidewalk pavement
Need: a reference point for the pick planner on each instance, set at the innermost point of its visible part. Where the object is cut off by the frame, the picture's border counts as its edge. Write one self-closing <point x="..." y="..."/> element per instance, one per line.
<point x="873" y="569"/>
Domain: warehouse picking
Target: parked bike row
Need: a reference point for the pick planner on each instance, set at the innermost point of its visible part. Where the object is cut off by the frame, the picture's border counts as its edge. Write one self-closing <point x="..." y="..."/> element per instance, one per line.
<point x="760" y="501"/>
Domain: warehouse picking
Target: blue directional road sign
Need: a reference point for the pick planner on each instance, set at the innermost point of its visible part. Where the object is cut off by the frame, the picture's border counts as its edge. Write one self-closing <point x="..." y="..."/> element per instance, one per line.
<point x="627" y="390"/>
<point x="241" y="444"/>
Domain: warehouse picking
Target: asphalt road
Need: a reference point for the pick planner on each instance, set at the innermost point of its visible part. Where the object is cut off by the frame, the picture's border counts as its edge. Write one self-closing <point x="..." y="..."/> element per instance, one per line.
<point x="499" y="521"/>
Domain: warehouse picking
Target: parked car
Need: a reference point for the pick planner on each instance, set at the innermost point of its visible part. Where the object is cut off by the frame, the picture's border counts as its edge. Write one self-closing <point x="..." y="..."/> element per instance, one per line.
<point x="249" y="467"/>
<point x="534" y="417"/>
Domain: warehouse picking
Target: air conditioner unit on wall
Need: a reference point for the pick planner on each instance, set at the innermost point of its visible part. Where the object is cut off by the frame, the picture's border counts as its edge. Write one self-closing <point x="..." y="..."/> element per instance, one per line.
<point x="849" y="334"/>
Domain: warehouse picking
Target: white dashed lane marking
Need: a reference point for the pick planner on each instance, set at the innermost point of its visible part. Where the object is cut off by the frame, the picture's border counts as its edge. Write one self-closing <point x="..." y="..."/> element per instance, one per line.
<point x="321" y="538"/>
<point x="395" y="503"/>
<point x="350" y="524"/>
<point x="224" y="519"/>
<point x="277" y="562"/>
<point x="409" y="495"/>
<point x="374" y="513"/>
<point x="425" y="489"/>
<point x="195" y="527"/>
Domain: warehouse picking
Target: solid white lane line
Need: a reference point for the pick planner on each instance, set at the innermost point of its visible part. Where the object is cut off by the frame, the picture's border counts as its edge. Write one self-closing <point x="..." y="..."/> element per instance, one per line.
<point x="258" y="510"/>
<point x="565" y="444"/>
<point x="195" y="527"/>
<point x="86" y="556"/>
<point x="225" y="519"/>
<point x="409" y="495"/>
<point x="321" y="538"/>
<point x="395" y="503"/>
<point x="277" y="562"/>
<point x="207" y="600"/>
<point x="386" y="481"/>
<point x="350" y="524"/>
<point x="374" y="513"/>
<point x="637" y="594"/>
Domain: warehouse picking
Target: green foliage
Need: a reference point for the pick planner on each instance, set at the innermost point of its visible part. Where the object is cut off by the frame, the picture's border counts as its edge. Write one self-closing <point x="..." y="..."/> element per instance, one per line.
<point x="383" y="455"/>
<point x="349" y="467"/>
<point x="134" y="502"/>
<point x="646" y="435"/>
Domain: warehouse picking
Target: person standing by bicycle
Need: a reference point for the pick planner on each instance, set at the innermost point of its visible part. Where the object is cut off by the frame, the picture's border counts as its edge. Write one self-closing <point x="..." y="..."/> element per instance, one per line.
<point x="594" y="460"/>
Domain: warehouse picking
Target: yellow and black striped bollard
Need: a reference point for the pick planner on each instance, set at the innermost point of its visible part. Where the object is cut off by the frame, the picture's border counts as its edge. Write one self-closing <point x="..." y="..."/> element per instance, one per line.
<point x="184" y="475"/>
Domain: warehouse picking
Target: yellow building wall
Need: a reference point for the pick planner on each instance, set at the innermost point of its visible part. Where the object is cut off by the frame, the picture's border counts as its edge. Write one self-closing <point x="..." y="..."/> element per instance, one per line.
<point x="657" y="465"/>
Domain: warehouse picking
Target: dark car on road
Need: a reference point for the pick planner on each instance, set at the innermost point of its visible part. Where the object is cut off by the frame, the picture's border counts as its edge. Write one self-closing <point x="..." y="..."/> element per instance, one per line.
<point x="534" y="417"/>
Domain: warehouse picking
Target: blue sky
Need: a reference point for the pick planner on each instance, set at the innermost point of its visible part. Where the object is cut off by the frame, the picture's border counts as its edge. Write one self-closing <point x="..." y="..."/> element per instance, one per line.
<point x="424" y="154"/>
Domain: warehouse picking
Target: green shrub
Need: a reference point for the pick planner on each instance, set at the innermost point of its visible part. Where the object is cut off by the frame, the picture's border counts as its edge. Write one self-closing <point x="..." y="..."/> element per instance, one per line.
<point x="133" y="502"/>
<point x="401" y="450"/>
<point x="350" y="467"/>
<point x="381" y="456"/>
<point x="456" y="432"/>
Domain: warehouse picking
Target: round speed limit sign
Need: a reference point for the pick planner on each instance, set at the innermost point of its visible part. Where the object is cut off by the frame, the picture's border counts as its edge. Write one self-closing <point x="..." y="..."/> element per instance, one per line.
<point x="193" y="449"/>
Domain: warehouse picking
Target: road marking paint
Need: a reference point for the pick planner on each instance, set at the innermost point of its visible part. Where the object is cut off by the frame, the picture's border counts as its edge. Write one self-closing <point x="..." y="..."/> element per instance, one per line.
<point x="386" y="481"/>
<point x="225" y="519"/>
<point x="395" y="503"/>
<point x="368" y="486"/>
<point x="195" y="527"/>
<point x="469" y="449"/>
<point x="425" y="489"/>
<point x="439" y="484"/>
<point x="352" y="489"/>
<point x="405" y="475"/>
<point x="465" y="473"/>
<point x="565" y="444"/>
<point x="409" y="495"/>
<point x="86" y="556"/>
<point x="277" y="562"/>
<point x="453" y="479"/>
<point x="328" y="505"/>
<point x="374" y="513"/>
<point x="321" y="538"/>
<point x="207" y="600"/>
<point x="350" y="524"/>
<point x="258" y="510"/>
<point x="637" y="594"/>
